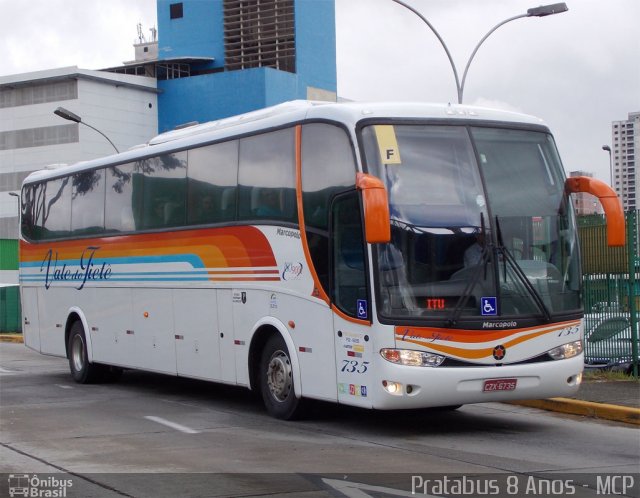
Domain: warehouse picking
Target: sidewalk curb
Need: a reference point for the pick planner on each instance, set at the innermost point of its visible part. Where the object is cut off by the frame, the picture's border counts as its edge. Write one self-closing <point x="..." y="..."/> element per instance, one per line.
<point x="604" y="411"/>
<point x="11" y="338"/>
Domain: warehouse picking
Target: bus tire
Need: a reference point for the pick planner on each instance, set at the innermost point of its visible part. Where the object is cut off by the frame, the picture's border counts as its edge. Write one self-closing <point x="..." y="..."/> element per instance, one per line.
<point x="82" y="371"/>
<point x="276" y="380"/>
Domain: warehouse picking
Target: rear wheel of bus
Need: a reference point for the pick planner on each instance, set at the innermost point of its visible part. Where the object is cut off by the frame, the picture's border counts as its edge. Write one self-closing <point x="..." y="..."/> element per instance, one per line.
<point x="276" y="380"/>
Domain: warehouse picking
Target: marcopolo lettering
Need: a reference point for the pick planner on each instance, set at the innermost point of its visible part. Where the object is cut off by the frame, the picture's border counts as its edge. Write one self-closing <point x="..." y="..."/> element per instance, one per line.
<point x="88" y="269"/>
<point x="499" y="325"/>
<point x="288" y="233"/>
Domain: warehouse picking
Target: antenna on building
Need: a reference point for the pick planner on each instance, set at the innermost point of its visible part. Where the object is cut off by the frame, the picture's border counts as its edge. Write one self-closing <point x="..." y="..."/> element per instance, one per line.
<point x="141" y="38"/>
<point x="154" y="34"/>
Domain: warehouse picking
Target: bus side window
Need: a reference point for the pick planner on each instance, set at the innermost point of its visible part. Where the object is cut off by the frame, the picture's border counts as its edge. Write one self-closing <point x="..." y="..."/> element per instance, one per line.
<point x="164" y="190"/>
<point x="266" y="202"/>
<point x="349" y="278"/>
<point x="57" y="208"/>
<point x="328" y="168"/>
<point x="212" y="183"/>
<point x="120" y="206"/>
<point x="32" y="211"/>
<point x="266" y="177"/>
<point x="87" y="203"/>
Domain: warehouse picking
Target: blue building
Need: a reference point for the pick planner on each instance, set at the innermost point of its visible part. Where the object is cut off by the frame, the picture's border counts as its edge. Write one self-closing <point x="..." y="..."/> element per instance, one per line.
<point x="217" y="58"/>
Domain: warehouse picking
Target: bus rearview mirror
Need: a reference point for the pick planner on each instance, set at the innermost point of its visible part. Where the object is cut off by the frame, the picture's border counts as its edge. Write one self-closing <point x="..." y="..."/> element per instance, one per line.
<point x="609" y="201"/>
<point x="376" y="208"/>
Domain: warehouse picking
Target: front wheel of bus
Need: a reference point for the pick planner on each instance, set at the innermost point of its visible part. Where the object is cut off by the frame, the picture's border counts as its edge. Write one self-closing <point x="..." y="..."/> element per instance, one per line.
<point x="82" y="371"/>
<point x="276" y="381"/>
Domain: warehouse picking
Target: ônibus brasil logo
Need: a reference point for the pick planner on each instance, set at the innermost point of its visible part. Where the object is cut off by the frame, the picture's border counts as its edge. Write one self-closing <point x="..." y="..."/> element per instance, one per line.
<point x="40" y="487"/>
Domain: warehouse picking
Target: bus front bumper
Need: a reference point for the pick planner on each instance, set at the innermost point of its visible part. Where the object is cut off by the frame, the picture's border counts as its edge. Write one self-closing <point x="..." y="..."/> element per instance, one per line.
<point x="399" y="387"/>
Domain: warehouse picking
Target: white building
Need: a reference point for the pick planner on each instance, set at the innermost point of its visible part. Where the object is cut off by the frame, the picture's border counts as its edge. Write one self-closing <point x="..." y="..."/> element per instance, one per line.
<point x="625" y="146"/>
<point x="123" y="107"/>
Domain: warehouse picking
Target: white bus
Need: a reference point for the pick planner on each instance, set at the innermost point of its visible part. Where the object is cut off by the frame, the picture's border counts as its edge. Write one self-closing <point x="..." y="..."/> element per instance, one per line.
<point x="385" y="256"/>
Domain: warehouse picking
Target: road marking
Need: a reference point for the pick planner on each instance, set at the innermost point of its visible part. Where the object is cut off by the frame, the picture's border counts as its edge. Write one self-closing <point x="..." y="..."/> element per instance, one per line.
<point x="173" y="425"/>
<point x="63" y="386"/>
<point x="5" y="371"/>
<point x="359" y="490"/>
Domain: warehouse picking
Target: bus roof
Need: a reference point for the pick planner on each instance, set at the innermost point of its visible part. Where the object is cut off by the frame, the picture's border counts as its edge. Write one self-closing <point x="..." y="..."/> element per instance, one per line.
<point x="349" y="113"/>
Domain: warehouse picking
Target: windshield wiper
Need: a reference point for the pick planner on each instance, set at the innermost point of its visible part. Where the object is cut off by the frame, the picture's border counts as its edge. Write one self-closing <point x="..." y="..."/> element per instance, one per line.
<point x="466" y="293"/>
<point x="508" y="258"/>
<point x="421" y="229"/>
<point x="487" y="249"/>
<point x="405" y="225"/>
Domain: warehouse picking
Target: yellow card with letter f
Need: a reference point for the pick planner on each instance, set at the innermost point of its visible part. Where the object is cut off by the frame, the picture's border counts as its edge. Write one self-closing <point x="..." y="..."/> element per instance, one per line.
<point x="387" y="144"/>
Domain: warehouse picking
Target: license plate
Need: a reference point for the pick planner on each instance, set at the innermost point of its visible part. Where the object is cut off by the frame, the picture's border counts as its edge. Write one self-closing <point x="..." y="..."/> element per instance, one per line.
<point x="499" y="385"/>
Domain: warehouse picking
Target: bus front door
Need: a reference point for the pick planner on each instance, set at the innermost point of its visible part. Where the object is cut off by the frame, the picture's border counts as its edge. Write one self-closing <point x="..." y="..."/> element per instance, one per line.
<point x="351" y="302"/>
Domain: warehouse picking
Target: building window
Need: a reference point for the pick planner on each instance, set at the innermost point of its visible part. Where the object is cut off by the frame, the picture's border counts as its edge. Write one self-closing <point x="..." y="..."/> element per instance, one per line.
<point x="259" y="33"/>
<point x="38" y="94"/>
<point x="175" y="10"/>
<point x="37" y="137"/>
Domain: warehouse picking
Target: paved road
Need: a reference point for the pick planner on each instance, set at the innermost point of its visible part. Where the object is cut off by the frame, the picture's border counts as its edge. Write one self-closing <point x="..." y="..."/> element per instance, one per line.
<point x="172" y="427"/>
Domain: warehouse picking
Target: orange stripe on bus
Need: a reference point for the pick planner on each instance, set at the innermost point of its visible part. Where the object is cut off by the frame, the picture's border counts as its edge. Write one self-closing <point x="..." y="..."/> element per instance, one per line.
<point x="222" y="273"/>
<point x="234" y="247"/>
<point x="469" y="336"/>
<point x="245" y="279"/>
<point x="474" y="354"/>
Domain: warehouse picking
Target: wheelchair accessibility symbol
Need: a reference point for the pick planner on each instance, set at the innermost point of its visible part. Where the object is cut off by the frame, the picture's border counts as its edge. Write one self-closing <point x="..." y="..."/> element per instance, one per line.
<point x="362" y="309"/>
<point x="489" y="306"/>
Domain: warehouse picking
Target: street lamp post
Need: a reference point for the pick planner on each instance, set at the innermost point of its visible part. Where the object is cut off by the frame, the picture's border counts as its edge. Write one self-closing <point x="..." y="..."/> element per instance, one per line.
<point x="70" y="116"/>
<point x="608" y="149"/>
<point x="542" y="11"/>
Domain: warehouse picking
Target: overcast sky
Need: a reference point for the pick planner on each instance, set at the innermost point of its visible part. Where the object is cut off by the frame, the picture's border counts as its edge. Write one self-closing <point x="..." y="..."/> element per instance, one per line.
<point x="579" y="70"/>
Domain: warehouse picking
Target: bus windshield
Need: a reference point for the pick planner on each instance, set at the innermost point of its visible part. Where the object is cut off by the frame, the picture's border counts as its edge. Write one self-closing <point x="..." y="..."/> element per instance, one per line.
<point x="480" y="223"/>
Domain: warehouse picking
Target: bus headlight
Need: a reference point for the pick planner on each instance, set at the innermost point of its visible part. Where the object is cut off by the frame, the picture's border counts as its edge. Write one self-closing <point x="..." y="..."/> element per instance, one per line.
<point x="411" y="358"/>
<point x="568" y="350"/>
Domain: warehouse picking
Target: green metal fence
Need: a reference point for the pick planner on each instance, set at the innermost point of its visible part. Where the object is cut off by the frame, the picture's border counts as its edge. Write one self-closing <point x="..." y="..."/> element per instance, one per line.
<point x="8" y="254"/>
<point x="9" y="292"/>
<point x="10" y="309"/>
<point x="611" y="294"/>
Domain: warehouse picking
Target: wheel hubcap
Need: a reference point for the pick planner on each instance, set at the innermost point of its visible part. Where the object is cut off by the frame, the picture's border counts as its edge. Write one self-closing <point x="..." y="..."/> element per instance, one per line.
<point x="77" y="353"/>
<point x="279" y="376"/>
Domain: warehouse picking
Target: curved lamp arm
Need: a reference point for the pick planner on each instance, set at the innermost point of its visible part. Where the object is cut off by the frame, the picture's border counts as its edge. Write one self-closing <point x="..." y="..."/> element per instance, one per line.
<point x="453" y="66"/>
<point x="542" y="11"/>
<point x="473" y="54"/>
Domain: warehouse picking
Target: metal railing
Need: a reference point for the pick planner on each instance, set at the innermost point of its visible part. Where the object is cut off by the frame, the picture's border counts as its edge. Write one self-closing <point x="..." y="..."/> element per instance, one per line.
<point x="611" y="294"/>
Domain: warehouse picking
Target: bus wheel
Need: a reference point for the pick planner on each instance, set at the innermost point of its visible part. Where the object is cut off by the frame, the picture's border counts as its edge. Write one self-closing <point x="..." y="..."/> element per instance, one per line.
<point x="276" y="380"/>
<point x="82" y="371"/>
